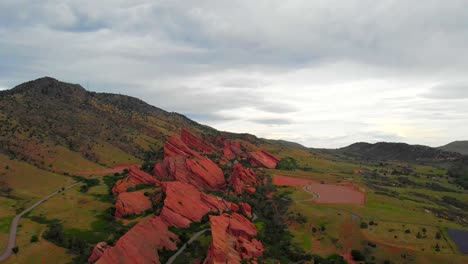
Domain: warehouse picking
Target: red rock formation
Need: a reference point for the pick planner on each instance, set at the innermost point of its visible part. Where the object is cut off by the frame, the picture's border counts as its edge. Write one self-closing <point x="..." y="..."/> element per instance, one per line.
<point x="232" y="240"/>
<point x="195" y="142"/>
<point x="246" y="209"/>
<point x="200" y="172"/>
<point x="140" y="245"/>
<point x="135" y="177"/>
<point x="131" y="203"/>
<point x="262" y="158"/>
<point x="185" y="204"/>
<point x="98" y="251"/>
<point x="243" y="179"/>
<point x="175" y="147"/>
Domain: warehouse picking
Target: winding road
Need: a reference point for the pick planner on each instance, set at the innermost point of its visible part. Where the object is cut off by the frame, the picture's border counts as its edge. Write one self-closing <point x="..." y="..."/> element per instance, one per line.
<point x="182" y="248"/>
<point x="14" y="224"/>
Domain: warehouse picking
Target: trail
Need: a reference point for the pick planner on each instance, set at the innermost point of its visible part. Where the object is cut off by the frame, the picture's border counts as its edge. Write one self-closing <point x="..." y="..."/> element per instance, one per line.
<point x="182" y="248"/>
<point x="14" y="224"/>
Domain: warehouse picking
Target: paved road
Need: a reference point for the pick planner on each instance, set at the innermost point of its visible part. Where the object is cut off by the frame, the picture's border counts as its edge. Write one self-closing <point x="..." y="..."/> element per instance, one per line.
<point x="16" y="220"/>
<point x="182" y="248"/>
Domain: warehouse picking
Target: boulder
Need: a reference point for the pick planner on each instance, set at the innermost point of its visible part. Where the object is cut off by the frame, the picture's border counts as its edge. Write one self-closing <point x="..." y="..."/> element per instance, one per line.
<point x="200" y="172"/>
<point x="131" y="203"/>
<point x="232" y="240"/>
<point x="185" y="204"/>
<point x="262" y="158"/>
<point x="140" y="245"/>
<point x="135" y="177"/>
<point x="195" y="142"/>
<point x="246" y="209"/>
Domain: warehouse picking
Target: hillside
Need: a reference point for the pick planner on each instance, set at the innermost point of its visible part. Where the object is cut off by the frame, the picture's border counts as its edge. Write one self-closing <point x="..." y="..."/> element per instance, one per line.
<point x="456" y="146"/>
<point x="384" y="151"/>
<point x="46" y="122"/>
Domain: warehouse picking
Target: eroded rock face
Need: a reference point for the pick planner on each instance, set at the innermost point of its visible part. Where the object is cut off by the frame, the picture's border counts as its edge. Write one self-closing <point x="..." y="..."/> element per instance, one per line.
<point x="243" y="179"/>
<point x="140" y="245"/>
<point x="195" y="142"/>
<point x="131" y="203"/>
<point x="262" y="158"/>
<point x="200" y="172"/>
<point x="185" y="204"/>
<point x="175" y="147"/>
<point x="246" y="209"/>
<point x="98" y="251"/>
<point x="135" y="177"/>
<point x="232" y="240"/>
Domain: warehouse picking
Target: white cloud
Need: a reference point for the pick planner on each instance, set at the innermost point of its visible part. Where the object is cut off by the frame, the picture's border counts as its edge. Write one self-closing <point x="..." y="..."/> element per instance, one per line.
<point x="324" y="73"/>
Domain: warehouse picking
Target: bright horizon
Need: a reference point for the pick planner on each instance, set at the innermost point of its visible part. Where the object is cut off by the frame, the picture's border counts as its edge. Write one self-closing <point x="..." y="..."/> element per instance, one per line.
<point x="325" y="74"/>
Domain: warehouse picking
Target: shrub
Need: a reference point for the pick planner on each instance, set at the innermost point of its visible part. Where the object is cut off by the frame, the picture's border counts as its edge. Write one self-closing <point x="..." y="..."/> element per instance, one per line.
<point x="357" y="255"/>
<point x="287" y="163"/>
<point x="34" y="239"/>
<point x="364" y="225"/>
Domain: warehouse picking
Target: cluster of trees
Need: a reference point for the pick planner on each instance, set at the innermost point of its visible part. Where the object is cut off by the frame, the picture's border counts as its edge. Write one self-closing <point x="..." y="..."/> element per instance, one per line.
<point x="287" y="163"/>
<point x="55" y="233"/>
<point x="459" y="171"/>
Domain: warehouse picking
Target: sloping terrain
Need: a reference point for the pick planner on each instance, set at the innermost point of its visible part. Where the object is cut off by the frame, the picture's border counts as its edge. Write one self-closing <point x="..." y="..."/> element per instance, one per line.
<point x="383" y="151"/>
<point x="48" y="123"/>
<point x="456" y="146"/>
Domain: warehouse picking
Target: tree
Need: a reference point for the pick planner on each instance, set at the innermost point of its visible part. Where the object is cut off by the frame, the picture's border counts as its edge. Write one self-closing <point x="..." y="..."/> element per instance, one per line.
<point x="364" y="225"/>
<point x="418" y="235"/>
<point x="287" y="163"/>
<point x="438" y="235"/>
<point x="437" y="247"/>
<point x="357" y="255"/>
<point x="15" y="250"/>
<point x="34" y="239"/>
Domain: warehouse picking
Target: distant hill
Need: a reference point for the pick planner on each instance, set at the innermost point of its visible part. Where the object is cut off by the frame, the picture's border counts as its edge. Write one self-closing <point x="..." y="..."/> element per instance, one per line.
<point x="285" y="143"/>
<point x="456" y="146"/>
<point x="397" y="152"/>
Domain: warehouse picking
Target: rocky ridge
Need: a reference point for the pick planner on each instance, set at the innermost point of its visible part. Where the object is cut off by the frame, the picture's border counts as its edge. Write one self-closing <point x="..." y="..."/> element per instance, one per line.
<point x="185" y="175"/>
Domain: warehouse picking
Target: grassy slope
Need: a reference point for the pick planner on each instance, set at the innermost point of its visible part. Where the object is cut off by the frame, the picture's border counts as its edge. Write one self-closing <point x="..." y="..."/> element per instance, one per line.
<point x="391" y="212"/>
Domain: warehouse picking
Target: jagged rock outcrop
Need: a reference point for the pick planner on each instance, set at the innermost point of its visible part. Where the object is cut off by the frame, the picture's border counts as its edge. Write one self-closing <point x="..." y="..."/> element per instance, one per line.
<point x="246" y="209"/>
<point x="231" y="150"/>
<point x="243" y="179"/>
<point x="200" y="172"/>
<point x="98" y="251"/>
<point x="185" y="204"/>
<point x="135" y="177"/>
<point x="140" y="245"/>
<point x="232" y="240"/>
<point x="131" y="203"/>
<point x="195" y="142"/>
<point x="175" y="147"/>
<point x="262" y="158"/>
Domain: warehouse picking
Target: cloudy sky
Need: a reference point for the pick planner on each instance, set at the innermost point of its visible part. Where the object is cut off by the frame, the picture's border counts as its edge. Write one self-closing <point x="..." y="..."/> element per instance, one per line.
<point x="321" y="73"/>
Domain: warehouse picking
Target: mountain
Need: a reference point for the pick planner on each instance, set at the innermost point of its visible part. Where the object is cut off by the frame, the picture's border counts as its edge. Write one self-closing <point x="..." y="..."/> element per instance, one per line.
<point x="397" y="152"/>
<point x="47" y="123"/>
<point x="456" y="146"/>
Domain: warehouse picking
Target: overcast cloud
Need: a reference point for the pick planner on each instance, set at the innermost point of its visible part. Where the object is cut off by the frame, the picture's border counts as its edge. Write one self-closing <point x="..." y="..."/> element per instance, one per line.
<point x="322" y="73"/>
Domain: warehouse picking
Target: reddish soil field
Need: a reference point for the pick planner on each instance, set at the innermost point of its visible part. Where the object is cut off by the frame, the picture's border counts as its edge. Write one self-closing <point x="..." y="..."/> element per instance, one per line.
<point x="290" y="181"/>
<point x="326" y="193"/>
<point x="117" y="169"/>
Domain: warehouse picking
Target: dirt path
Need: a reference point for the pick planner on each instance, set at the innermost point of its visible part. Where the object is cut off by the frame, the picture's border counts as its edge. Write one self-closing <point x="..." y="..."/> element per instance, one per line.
<point x="182" y="248"/>
<point x="14" y="224"/>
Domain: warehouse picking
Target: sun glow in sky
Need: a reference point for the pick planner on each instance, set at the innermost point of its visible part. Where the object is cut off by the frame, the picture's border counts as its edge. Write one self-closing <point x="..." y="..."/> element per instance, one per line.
<point x="321" y="73"/>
